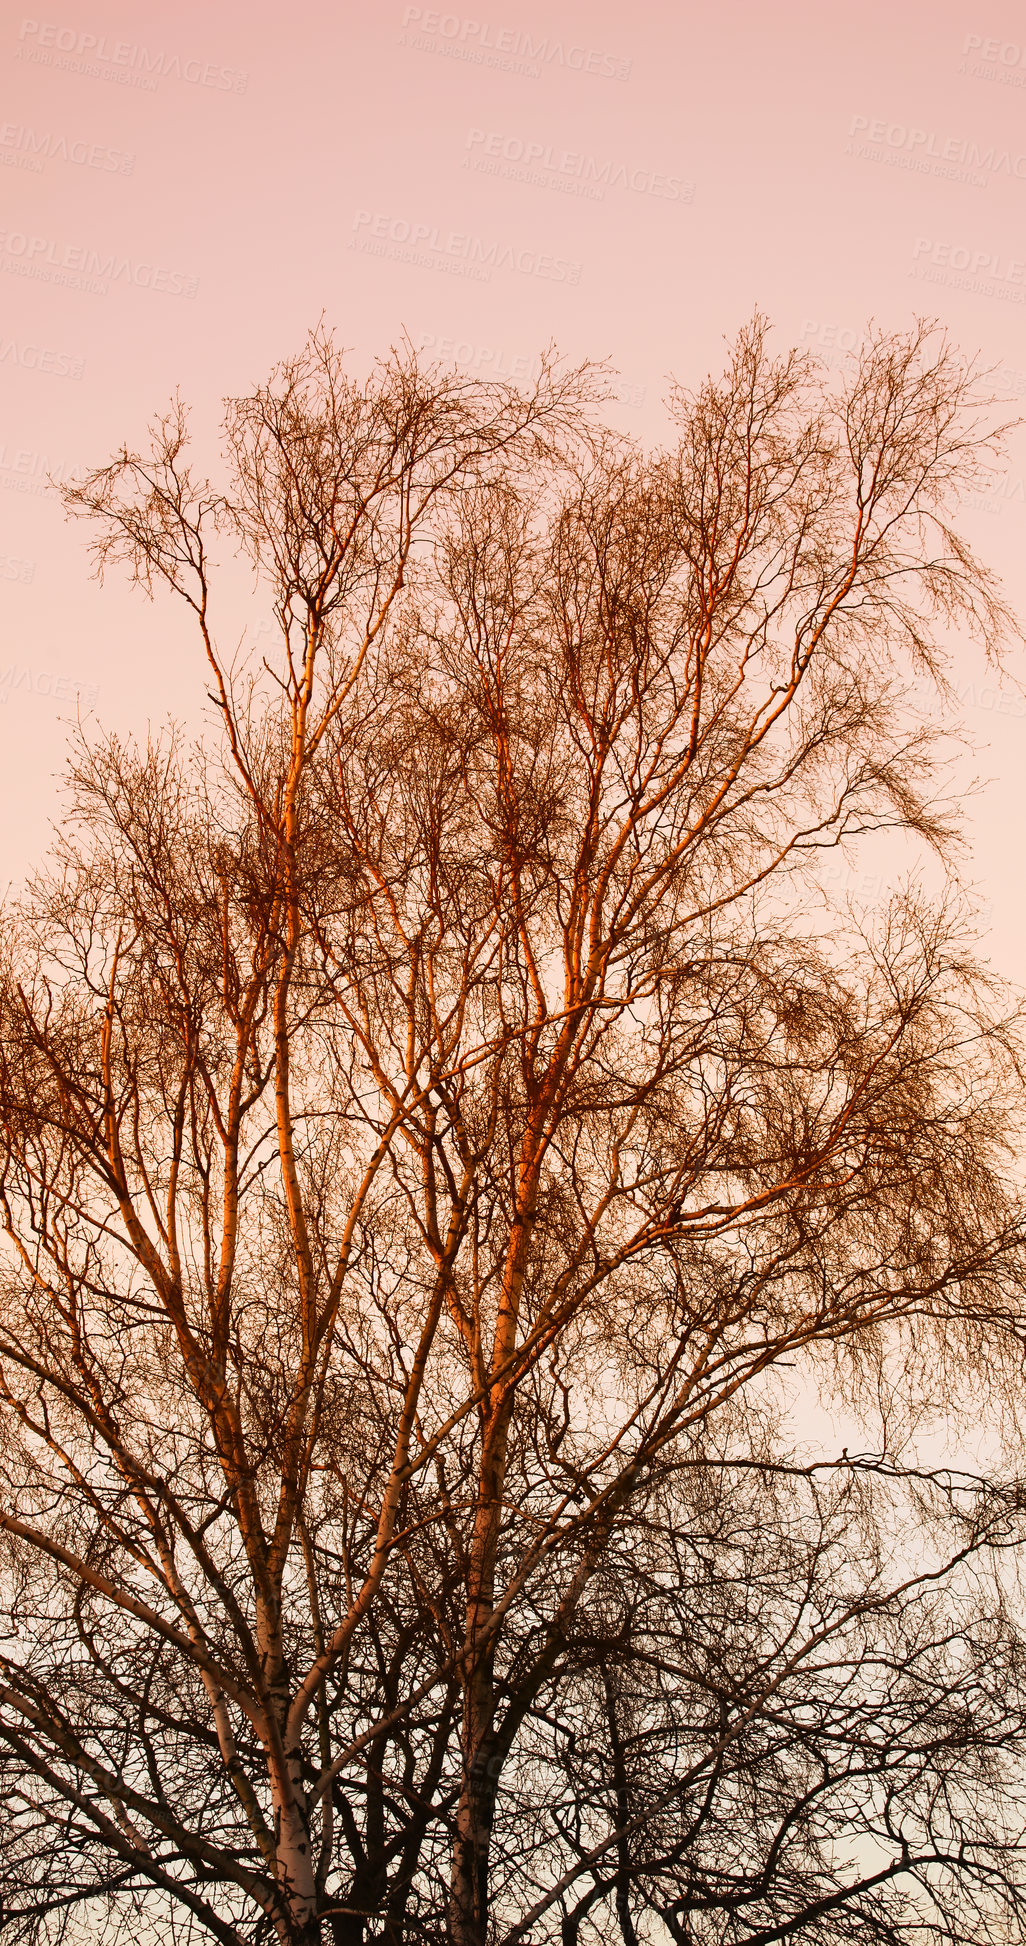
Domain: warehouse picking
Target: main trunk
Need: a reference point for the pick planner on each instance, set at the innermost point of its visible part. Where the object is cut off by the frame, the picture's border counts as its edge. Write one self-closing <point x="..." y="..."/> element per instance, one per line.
<point x="469" y="1901"/>
<point x="468" y="1915"/>
<point x="296" y="1877"/>
<point x="468" y="1912"/>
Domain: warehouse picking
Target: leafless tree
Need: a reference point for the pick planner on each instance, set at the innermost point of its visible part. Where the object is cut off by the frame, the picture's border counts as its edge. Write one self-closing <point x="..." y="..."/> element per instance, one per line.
<point x="771" y="1725"/>
<point x="435" y="1115"/>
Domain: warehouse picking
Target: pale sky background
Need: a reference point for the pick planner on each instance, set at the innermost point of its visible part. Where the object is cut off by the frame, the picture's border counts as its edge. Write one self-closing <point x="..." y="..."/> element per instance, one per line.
<point x="212" y="178"/>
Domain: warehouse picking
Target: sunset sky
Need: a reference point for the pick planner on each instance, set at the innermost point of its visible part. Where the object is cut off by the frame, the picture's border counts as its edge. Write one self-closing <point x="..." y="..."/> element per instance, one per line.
<point x="188" y="189"/>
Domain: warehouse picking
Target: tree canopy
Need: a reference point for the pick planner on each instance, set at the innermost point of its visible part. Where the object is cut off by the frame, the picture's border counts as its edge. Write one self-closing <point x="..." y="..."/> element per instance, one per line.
<point x="434" y="1113"/>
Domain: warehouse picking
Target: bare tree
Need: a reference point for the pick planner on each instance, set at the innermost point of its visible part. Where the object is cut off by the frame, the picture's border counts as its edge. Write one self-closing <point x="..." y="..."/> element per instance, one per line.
<point x="435" y="1112"/>
<point x="782" y="1717"/>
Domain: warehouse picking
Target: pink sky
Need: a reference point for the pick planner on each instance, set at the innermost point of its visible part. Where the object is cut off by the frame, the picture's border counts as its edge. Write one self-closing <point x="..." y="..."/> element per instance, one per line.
<point x="630" y="182"/>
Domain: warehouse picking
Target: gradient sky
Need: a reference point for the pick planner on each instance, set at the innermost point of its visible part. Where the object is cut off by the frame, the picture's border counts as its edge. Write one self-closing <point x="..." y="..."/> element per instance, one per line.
<point x="206" y="181"/>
